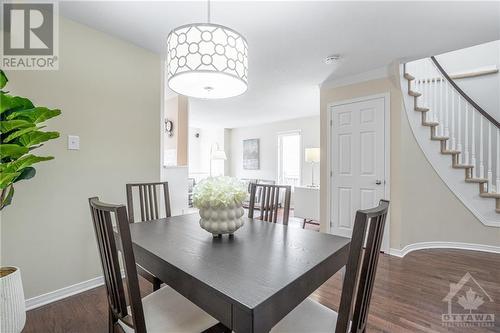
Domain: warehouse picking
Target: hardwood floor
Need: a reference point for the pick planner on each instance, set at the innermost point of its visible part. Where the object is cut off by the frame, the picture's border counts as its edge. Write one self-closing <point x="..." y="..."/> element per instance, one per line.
<point x="408" y="294"/>
<point x="407" y="297"/>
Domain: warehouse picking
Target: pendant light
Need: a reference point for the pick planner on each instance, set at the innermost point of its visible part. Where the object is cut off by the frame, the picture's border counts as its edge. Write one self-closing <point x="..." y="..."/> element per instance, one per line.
<point x="206" y="60"/>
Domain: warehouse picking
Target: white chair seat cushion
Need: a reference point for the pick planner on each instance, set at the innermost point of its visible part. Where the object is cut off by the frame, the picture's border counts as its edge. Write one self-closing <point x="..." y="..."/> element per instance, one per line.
<point x="166" y="310"/>
<point x="308" y="316"/>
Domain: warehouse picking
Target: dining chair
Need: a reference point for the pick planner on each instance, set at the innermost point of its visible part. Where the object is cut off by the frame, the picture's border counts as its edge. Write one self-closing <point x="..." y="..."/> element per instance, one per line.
<point x="191" y="185"/>
<point x="149" y="205"/>
<point x="149" y="194"/>
<point x="248" y="184"/>
<point x="269" y="201"/>
<point x="311" y="316"/>
<point x="164" y="310"/>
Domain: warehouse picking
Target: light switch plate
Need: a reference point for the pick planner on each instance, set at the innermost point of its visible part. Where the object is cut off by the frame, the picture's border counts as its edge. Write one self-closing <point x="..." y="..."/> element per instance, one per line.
<point x="73" y="142"/>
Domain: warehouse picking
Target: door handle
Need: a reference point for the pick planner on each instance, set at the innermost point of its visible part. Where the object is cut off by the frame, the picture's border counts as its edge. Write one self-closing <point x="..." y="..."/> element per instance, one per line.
<point x="378" y="182"/>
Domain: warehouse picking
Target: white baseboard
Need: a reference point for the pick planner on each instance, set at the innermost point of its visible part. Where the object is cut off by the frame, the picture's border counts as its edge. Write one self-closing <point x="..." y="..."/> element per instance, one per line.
<point x="59" y="294"/>
<point x="443" y="245"/>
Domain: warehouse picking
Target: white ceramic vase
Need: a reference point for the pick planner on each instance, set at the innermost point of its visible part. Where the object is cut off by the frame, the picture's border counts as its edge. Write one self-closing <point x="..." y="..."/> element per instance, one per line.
<point x="12" y="306"/>
<point x="220" y="221"/>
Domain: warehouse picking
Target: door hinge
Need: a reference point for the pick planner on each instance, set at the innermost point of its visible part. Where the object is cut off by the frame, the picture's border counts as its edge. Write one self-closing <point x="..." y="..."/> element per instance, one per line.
<point x="331" y="173"/>
<point x="331" y="122"/>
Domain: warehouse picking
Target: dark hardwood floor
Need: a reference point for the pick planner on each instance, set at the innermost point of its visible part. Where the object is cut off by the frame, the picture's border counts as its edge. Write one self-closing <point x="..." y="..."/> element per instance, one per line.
<point x="408" y="295"/>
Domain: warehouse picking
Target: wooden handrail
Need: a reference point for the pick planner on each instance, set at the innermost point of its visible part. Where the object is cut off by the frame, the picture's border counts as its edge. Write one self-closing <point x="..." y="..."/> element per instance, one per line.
<point x="464" y="95"/>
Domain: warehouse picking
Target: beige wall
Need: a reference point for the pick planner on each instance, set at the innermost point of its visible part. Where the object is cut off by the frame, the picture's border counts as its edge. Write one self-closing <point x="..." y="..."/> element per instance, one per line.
<point x="183" y="131"/>
<point x="422" y="207"/>
<point x="109" y="94"/>
<point x="176" y="110"/>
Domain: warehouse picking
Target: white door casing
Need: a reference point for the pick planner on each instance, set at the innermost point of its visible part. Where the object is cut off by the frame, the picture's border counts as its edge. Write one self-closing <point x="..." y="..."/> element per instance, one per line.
<point x="358" y="161"/>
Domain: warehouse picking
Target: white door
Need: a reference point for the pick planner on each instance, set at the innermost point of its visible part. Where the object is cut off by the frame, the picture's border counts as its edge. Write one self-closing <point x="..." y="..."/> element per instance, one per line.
<point x="357" y="161"/>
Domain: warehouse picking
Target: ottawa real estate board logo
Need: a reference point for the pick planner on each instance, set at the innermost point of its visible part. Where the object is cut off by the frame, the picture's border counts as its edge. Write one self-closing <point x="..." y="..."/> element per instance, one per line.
<point x="465" y="302"/>
<point x="30" y="36"/>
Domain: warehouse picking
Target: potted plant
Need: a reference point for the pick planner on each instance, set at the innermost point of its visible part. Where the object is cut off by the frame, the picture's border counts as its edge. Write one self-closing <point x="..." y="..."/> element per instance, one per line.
<point x="220" y="201"/>
<point x="20" y="133"/>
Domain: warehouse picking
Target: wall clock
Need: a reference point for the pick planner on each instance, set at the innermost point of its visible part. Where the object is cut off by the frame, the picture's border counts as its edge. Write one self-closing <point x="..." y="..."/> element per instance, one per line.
<point x="169" y="127"/>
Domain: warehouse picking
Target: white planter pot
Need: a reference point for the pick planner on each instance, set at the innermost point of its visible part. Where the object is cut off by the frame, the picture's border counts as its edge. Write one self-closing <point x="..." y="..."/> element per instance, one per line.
<point x="12" y="305"/>
<point x="220" y="221"/>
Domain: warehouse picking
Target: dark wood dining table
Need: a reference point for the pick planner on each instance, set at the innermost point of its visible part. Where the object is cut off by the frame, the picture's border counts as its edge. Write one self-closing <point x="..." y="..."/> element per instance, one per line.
<point x="248" y="281"/>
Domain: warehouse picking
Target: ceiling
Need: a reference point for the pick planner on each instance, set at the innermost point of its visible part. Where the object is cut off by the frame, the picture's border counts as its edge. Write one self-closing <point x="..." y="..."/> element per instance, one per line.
<point x="288" y="41"/>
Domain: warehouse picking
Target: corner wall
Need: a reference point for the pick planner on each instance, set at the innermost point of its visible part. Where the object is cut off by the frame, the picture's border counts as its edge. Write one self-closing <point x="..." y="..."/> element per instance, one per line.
<point x="109" y="94"/>
<point x="423" y="209"/>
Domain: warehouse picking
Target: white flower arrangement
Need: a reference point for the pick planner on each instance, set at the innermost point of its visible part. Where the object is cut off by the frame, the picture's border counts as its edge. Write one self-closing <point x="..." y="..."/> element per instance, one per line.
<point x="219" y="192"/>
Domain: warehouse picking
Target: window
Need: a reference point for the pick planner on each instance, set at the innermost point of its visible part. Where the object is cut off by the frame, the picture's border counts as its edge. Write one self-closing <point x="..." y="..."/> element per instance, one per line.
<point x="289" y="157"/>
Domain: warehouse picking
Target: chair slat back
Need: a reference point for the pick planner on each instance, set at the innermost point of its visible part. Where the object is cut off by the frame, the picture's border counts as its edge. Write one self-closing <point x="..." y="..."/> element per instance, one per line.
<point x="361" y="268"/>
<point x="258" y="194"/>
<point x="148" y="200"/>
<point x="269" y="200"/>
<point x="110" y="242"/>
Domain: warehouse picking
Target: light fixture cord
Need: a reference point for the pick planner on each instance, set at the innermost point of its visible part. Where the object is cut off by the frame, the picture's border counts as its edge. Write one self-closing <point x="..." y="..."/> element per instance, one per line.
<point x="208" y="11"/>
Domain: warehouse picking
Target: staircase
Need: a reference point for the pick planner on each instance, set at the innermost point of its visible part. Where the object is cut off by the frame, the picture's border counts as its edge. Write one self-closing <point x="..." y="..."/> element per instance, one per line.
<point x="464" y="131"/>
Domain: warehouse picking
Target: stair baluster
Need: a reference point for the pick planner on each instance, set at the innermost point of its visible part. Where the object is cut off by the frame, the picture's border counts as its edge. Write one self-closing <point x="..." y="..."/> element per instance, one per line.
<point x="481" y="148"/>
<point x="435" y="97"/>
<point x="466" y="138"/>
<point x="489" y="158"/>
<point x="441" y="112"/>
<point x="425" y="93"/>
<point x="454" y="112"/>
<point x="459" y="127"/>
<point x="432" y="93"/>
<point x="447" y="109"/>
<point x="497" y="183"/>
<point x="473" y="148"/>
<point x="429" y="93"/>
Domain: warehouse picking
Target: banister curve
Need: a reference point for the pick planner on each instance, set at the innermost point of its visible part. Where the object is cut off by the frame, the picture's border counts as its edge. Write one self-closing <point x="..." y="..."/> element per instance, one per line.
<point x="464" y="95"/>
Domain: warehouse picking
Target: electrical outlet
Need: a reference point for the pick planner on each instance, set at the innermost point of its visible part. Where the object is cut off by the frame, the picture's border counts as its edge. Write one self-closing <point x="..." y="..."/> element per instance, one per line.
<point x="73" y="142"/>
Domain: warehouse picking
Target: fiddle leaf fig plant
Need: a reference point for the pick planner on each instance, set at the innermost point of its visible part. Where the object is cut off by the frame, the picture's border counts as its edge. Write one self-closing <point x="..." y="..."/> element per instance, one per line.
<point x="21" y="133"/>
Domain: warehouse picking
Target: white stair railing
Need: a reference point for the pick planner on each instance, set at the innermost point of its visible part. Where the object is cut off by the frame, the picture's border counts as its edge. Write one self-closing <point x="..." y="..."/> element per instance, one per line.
<point x="469" y="130"/>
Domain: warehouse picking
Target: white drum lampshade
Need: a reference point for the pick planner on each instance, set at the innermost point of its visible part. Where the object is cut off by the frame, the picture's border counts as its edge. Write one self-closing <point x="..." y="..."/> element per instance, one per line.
<point x="312" y="155"/>
<point x="206" y="60"/>
<point x="219" y="155"/>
